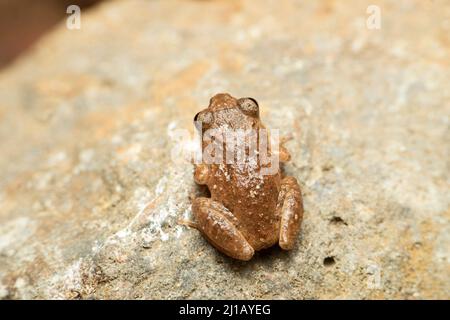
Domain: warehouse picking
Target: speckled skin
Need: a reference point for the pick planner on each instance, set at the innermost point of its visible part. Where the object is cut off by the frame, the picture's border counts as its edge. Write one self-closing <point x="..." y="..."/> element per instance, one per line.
<point x="247" y="211"/>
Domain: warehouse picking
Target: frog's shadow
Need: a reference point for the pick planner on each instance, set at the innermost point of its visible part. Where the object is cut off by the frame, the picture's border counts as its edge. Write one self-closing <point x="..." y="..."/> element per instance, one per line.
<point x="265" y="258"/>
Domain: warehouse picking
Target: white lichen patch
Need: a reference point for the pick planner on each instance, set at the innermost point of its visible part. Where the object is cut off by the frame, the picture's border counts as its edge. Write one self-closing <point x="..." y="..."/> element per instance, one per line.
<point x="75" y="280"/>
<point x="156" y="210"/>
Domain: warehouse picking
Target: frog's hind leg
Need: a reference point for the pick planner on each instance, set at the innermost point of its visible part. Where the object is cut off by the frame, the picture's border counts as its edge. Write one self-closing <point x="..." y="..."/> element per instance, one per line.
<point x="219" y="226"/>
<point x="291" y="210"/>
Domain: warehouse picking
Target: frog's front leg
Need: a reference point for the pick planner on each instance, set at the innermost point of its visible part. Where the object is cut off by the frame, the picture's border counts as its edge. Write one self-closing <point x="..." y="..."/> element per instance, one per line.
<point x="201" y="172"/>
<point x="283" y="153"/>
<point x="220" y="227"/>
<point x="290" y="204"/>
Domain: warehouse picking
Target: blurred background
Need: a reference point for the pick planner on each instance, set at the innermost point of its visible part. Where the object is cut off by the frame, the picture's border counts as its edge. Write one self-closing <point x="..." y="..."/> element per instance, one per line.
<point x="23" y="22"/>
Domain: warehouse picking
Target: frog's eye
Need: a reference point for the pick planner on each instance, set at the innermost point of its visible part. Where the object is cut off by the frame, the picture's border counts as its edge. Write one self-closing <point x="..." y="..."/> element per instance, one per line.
<point x="249" y="106"/>
<point x="203" y="119"/>
<point x="196" y="117"/>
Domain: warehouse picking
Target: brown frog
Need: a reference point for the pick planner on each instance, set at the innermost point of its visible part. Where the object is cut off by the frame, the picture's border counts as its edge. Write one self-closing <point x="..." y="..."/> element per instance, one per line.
<point x="247" y="211"/>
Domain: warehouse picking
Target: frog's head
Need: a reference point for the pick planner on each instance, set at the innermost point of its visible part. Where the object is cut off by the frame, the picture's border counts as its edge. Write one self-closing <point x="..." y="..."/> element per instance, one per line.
<point x="227" y="112"/>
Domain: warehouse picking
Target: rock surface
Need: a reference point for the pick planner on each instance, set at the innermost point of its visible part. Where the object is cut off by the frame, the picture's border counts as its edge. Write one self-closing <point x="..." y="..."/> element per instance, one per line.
<point x="90" y="195"/>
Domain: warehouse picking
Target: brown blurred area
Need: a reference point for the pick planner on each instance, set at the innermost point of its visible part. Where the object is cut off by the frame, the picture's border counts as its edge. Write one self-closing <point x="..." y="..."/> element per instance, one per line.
<point x="22" y="22"/>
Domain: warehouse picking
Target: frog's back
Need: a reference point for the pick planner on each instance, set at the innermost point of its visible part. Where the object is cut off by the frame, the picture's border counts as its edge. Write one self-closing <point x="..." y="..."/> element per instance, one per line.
<point x="252" y="198"/>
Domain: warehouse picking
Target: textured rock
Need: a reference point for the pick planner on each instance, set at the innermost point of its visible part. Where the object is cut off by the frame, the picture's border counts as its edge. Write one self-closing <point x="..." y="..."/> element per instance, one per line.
<point x="90" y="197"/>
